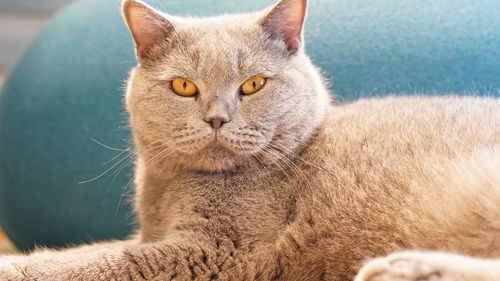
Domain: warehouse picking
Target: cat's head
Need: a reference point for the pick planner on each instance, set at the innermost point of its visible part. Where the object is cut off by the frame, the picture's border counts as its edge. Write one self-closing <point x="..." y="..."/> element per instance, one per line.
<point x="215" y="94"/>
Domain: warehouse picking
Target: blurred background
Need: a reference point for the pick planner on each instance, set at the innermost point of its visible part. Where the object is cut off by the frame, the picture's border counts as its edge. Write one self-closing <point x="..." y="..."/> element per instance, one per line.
<point x="19" y="22"/>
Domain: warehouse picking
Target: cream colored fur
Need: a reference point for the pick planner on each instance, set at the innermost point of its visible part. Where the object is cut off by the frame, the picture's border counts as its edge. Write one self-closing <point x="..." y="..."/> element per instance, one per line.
<point x="297" y="187"/>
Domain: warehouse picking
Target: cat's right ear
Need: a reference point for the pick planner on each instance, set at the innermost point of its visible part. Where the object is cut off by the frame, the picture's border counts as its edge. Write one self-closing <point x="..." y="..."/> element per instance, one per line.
<point x="146" y="25"/>
<point x="285" y="21"/>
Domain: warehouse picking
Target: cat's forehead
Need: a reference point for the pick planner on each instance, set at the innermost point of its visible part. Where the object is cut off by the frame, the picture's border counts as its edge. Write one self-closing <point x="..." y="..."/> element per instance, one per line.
<point x="221" y="46"/>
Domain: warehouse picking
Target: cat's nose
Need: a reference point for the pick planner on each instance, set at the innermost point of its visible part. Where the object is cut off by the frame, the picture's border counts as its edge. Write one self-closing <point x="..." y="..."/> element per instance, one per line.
<point x="219" y="111"/>
<point x="217" y="122"/>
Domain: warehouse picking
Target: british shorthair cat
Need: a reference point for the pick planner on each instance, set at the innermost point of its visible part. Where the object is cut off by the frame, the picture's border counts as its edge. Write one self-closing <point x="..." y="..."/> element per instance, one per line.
<point x="247" y="171"/>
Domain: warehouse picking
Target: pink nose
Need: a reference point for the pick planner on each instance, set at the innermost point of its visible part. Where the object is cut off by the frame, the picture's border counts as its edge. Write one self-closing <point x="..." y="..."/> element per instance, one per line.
<point x="216" y="123"/>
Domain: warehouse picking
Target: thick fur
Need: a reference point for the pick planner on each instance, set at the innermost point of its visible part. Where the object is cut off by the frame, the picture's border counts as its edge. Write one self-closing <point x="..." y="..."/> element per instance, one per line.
<point x="295" y="188"/>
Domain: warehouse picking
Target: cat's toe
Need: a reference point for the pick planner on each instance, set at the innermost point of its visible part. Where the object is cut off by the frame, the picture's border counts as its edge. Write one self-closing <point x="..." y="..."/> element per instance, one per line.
<point x="398" y="267"/>
<point x="10" y="270"/>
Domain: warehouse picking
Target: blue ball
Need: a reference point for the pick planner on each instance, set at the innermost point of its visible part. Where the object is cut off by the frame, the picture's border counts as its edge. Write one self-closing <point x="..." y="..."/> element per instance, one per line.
<point x="62" y="103"/>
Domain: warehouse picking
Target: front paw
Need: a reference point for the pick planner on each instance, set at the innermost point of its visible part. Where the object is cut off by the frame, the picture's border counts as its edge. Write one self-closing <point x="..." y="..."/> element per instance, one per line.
<point x="411" y="266"/>
<point x="11" y="269"/>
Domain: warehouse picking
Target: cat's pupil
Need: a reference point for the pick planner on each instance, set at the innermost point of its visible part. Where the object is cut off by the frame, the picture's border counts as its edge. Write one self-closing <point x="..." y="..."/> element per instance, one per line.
<point x="184" y="85"/>
<point x="254" y="85"/>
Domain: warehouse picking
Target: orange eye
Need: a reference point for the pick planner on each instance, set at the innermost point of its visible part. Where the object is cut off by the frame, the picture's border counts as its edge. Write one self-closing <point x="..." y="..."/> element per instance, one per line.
<point x="184" y="88"/>
<point x="253" y="85"/>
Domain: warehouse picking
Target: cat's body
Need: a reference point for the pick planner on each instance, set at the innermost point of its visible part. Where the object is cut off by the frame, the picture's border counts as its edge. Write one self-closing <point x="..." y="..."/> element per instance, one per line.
<point x="402" y="178"/>
<point x="246" y="172"/>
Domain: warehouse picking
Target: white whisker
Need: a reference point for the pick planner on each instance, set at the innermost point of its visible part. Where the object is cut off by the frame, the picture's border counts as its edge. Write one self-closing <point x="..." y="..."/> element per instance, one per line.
<point x="105" y="172"/>
<point x="109" y="147"/>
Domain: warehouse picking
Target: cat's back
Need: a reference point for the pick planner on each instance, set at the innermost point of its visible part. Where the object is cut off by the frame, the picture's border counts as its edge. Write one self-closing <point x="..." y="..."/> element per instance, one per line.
<point x="408" y="158"/>
<point x="397" y="142"/>
<point x="414" y="126"/>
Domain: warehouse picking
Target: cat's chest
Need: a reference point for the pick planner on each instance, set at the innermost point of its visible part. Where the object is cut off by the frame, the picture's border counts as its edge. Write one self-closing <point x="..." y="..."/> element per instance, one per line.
<point x="251" y="205"/>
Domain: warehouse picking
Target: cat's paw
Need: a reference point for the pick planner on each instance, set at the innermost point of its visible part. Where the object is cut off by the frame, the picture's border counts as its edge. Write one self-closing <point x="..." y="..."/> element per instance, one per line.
<point x="415" y="266"/>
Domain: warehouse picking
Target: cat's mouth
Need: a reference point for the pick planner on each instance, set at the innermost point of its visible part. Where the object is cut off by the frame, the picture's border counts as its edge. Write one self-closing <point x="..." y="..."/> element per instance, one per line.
<point x="236" y="143"/>
<point x="215" y="144"/>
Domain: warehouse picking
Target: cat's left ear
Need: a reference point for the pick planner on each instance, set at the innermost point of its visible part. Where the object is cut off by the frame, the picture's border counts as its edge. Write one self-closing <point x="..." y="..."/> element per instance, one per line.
<point x="285" y="21"/>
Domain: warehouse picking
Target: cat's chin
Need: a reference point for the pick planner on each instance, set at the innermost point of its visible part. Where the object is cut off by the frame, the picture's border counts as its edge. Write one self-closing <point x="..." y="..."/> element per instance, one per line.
<point x="217" y="157"/>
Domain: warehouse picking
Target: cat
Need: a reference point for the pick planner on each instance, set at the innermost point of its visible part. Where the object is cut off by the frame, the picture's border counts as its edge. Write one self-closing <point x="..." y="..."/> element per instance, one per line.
<point x="246" y="170"/>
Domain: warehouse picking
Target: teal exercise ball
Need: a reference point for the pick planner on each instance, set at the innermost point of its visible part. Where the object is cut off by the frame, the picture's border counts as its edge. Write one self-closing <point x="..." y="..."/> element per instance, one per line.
<point x="65" y="151"/>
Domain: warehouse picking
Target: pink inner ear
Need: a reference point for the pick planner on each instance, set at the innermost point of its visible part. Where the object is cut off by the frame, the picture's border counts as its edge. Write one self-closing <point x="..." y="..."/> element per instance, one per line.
<point x="294" y="44"/>
<point x="146" y="26"/>
<point x="286" y="21"/>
